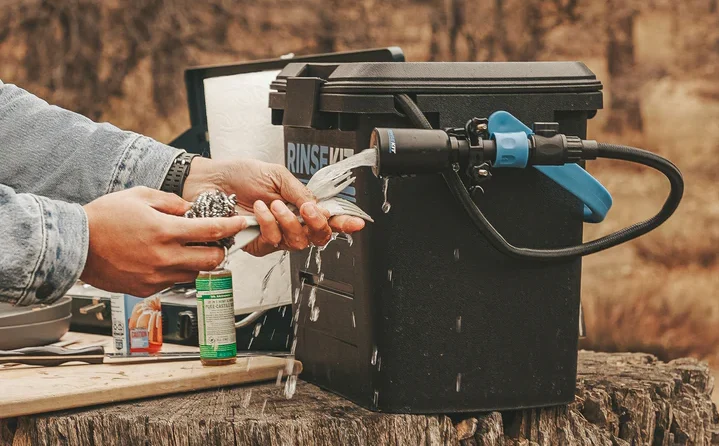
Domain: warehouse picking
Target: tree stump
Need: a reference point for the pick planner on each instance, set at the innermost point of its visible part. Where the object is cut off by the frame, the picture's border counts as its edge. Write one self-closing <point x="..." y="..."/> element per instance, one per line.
<point x="621" y="399"/>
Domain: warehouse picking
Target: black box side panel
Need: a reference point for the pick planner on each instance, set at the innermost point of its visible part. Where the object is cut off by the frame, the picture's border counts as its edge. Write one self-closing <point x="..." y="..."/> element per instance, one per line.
<point x="516" y="342"/>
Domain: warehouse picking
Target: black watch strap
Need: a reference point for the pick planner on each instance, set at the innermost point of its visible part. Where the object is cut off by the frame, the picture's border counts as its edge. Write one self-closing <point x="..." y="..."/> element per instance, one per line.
<point x="179" y="170"/>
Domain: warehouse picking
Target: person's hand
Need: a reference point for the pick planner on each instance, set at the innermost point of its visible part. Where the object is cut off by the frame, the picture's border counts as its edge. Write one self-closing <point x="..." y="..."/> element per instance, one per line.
<point x="264" y="188"/>
<point x="138" y="241"/>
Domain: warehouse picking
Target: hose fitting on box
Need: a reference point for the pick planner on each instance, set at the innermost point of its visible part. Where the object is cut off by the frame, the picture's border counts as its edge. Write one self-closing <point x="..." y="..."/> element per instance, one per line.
<point x="502" y="141"/>
<point x="402" y="151"/>
<point x="548" y="147"/>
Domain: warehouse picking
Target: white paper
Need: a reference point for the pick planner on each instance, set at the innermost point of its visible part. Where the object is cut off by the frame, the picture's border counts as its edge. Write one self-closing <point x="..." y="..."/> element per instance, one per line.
<point x="240" y="126"/>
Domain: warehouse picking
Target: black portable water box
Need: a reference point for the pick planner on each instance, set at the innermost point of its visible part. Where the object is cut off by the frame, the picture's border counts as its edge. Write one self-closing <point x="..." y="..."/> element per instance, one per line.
<point x="417" y="313"/>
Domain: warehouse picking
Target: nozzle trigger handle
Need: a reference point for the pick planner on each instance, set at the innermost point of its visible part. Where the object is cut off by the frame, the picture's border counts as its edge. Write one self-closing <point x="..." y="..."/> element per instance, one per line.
<point x="597" y="200"/>
<point x="577" y="181"/>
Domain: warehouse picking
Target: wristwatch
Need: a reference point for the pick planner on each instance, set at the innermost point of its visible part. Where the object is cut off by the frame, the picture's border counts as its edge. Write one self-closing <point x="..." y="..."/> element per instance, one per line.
<point x="179" y="170"/>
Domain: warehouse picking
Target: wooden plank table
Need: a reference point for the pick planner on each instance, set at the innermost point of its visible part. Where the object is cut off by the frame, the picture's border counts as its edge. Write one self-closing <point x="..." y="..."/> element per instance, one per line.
<point x="29" y="390"/>
<point x="622" y="399"/>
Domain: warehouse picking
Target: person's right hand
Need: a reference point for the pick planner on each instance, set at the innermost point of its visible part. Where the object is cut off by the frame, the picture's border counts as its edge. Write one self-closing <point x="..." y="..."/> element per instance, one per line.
<point x="138" y="241"/>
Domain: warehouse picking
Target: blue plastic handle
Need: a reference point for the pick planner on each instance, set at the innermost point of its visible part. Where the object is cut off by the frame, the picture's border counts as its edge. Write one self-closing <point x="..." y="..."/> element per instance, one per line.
<point x="597" y="200"/>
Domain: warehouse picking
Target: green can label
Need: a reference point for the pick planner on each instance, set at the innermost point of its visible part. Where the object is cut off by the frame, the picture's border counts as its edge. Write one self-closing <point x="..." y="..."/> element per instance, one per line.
<point x="216" y="318"/>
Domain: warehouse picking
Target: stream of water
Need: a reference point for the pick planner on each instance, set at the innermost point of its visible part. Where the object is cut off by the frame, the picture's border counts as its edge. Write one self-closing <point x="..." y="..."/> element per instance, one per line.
<point x="322" y="184"/>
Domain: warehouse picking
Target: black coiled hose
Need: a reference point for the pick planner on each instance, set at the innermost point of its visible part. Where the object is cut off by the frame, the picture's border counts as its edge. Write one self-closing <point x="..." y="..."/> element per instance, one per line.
<point x="625" y="153"/>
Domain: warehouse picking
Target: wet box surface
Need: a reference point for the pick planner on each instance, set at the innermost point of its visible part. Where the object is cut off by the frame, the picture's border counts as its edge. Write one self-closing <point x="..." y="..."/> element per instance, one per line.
<point x="420" y="314"/>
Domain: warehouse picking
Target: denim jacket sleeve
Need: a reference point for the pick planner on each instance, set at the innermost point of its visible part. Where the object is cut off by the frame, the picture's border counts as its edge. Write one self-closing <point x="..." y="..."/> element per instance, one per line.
<point x="53" y="161"/>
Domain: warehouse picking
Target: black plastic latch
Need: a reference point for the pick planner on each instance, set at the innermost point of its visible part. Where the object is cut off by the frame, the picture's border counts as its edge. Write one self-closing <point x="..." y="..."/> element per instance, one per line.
<point x="546" y="129"/>
<point x="302" y="102"/>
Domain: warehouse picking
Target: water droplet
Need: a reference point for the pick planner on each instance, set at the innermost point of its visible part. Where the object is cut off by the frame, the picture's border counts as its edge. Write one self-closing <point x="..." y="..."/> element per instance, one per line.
<point x="279" y="377"/>
<point x="353" y="261"/>
<point x="354" y="323"/>
<point x="266" y="279"/>
<point x="385" y="188"/>
<point x="294" y="346"/>
<point x="379" y="363"/>
<point x="338" y="254"/>
<point x="287" y="342"/>
<point x="459" y="382"/>
<point x="272" y="336"/>
<point x="309" y="257"/>
<point x="373" y="361"/>
<point x="257" y="329"/>
<point x="456" y="254"/>
<point x="315" y="314"/>
<point x="250" y="344"/>
<point x="322" y="277"/>
<point x="459" y="324"/>
<point x="290" y="386"/>
<point x="284" y="309"/>
<point x="376" y="397"/>
<point x="318" y="259"/>
<point x="350" y="240"/>
<point x="264" y="321"/>
<point x="313" y="297"/>
<point x="263" y="407"/>
<point x="245" y="400"/>
<point x="289" y="366"/>
<point x="389" y="275"/>
<point x="333" y="237"/>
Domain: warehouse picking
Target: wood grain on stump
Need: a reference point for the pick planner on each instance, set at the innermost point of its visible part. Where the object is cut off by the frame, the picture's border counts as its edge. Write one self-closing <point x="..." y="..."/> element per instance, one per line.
<point x="622" y="399"/>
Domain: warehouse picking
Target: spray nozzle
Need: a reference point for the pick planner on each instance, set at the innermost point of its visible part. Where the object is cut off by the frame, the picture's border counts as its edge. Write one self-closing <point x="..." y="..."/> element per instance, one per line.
<point x="413" y="151"/>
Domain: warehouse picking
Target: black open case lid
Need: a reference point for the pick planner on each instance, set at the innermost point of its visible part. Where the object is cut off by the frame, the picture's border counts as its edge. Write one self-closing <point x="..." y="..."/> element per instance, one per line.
<point x="195" y="139"/>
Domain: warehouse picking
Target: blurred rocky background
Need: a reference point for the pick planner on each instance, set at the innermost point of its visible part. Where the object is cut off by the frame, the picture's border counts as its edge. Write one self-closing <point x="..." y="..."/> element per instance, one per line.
<point x="122" y="61"/>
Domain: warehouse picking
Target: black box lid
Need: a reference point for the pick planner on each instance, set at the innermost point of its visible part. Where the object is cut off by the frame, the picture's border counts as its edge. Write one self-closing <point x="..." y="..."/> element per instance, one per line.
<point x="446" y="77"/>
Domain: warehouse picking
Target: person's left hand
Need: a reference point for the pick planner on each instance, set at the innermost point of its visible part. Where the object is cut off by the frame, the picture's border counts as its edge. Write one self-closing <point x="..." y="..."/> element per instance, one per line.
<point x="264" y="188"/>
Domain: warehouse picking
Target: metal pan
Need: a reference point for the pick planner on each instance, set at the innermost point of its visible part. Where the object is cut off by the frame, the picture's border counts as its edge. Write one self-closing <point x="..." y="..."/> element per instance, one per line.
<point x="11" y="315"/>
<point x="32" y="335"/>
